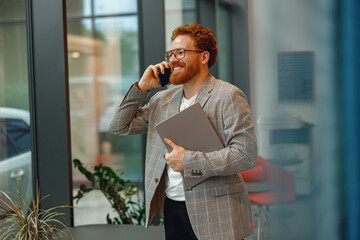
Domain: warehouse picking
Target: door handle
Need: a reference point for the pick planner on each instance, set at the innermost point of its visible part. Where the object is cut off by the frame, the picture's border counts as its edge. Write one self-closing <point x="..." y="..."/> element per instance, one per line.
<point x="17" y="174"/>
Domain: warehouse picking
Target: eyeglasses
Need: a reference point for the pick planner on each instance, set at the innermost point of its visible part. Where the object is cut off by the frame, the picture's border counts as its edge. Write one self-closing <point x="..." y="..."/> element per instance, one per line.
<point x="179" y="53"/>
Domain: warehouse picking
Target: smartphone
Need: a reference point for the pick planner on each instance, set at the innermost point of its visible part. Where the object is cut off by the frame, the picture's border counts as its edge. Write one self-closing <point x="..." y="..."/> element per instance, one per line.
<point x="165" y="78"/>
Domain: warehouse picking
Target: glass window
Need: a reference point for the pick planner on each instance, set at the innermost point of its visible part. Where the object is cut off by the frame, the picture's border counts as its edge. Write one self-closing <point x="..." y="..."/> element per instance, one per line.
<point x="106" y="7"/>
<point x="103" y="61"/>
<point x="178" y="12"/>
<point x="78" y="8"/>
<point x="12" y="10"/>
<point x="223" y="41"/>
<point x="15" y="143"/>
<point x="119" y="34"/>
<point x="17" y="134"/>
<point x="297" y="135"/>
<point x="13" y="66"/>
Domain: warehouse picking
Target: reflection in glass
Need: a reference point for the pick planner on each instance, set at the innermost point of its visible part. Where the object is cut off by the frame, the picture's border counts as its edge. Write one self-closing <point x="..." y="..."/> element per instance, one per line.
<point x="103" y="63"/>
<point x="78" y="8"/>
<point x="119" y="71"/>
<point x="223" y="39"/>
<point x="12" y="10"/>
<point x="15" y="143"/>
<point x="299" y="131"/>
<point x="119" y="35"/>
<point x="13" y="66"/>
<point x="17" y="140"/>
<point x="105" y="7"/>
<point x="178" y="12"/>
<point x="82" y="61"/>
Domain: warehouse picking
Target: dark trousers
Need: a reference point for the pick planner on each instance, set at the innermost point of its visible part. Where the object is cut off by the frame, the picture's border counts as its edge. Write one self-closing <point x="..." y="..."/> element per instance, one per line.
<point x="176" y="221"/>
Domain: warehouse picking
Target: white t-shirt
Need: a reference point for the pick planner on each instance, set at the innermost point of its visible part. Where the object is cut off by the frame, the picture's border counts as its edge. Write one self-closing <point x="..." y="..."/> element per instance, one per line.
<point x="174" y="183"/>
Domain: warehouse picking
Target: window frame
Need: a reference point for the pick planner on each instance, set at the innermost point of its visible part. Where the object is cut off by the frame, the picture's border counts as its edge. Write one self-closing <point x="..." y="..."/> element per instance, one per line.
<point x="49" y="103"/>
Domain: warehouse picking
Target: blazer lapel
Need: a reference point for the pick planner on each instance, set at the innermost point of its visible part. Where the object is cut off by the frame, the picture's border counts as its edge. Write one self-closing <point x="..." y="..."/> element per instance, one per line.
<point x="202" y="97"/>
<point x="174" y="106"/>
<point x="205" y="90"/>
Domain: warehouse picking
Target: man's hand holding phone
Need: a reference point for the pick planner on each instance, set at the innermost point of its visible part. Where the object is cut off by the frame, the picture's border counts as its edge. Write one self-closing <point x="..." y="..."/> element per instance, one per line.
<point x="153" y="74"/>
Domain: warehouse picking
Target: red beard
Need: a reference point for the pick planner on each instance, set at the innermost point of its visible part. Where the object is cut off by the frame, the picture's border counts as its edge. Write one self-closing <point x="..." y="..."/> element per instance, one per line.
<point x="185" y="75"/>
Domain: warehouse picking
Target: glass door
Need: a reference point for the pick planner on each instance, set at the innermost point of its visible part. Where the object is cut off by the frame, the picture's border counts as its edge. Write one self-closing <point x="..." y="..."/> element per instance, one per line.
<point x="103" y="56"/>
<point x="15" y="140"/>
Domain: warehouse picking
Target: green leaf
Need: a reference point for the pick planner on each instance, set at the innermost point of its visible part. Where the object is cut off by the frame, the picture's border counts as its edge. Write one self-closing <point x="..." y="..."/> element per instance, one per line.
<point x="89" y="176"/>
<point x="108" y="219"/>
<point x="77" y="162"/>
<point x="117" y="220"/>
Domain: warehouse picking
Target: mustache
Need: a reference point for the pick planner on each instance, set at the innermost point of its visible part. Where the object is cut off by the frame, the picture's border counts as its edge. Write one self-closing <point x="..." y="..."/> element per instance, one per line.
<point x="174" y="65"/>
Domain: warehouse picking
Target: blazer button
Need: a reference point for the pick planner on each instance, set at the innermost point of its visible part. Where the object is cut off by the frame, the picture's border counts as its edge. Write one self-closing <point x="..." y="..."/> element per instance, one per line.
<point x="156" y="180"/>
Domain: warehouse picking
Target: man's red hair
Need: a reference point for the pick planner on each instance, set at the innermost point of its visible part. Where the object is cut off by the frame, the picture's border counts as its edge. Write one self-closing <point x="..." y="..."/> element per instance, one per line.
<point x="204" y="39"/>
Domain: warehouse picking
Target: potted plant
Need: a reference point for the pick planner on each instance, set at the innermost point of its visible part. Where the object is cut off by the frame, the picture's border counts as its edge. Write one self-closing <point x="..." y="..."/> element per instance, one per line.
<point x="30" y="222"/>
<point x="119" y="192"/>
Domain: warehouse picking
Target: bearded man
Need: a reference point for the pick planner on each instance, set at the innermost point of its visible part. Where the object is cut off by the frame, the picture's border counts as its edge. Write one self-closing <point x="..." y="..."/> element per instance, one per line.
<point x="218" y="207"/>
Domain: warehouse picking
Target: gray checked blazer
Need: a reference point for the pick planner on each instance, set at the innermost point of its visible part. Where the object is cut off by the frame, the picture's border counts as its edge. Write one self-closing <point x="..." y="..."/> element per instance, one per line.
<point x="219" y="206"/>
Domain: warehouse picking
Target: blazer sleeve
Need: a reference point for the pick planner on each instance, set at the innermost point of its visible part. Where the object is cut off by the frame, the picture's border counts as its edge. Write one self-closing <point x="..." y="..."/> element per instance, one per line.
<point x="129" y="118"/>
<point x="240" y="151"/>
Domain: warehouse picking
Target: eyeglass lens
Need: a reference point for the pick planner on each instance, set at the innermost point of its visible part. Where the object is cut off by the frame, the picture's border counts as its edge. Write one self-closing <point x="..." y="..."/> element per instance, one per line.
<point x="178" y="53"/>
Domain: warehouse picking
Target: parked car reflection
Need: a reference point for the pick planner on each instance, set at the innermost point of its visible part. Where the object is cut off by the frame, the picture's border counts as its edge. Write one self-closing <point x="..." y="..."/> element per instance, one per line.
<point x="15" y="152"/>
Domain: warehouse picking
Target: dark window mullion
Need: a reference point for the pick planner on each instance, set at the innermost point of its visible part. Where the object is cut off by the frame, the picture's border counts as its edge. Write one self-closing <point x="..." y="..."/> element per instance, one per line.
<point x="49" y="102"/>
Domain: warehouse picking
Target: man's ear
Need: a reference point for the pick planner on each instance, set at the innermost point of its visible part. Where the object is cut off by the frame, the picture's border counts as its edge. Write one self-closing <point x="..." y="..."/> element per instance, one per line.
<point x="205" y="57"/>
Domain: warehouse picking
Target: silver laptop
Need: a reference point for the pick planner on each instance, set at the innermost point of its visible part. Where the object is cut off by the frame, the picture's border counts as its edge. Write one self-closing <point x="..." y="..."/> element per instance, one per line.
<point x="192" y="130"/>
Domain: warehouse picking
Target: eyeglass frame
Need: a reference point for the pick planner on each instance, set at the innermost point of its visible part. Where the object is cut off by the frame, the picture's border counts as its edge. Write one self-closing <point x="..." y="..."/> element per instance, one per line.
<point x="167" y="55"/>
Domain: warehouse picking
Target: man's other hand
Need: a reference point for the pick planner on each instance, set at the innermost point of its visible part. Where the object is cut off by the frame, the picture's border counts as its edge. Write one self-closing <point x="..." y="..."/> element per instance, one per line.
<point x="175" y="158"/>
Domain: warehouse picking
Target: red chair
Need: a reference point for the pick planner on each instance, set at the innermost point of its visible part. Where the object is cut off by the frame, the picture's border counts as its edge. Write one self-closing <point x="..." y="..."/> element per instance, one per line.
<point x="283" y="190"/>
<point x="257" y="174"/>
